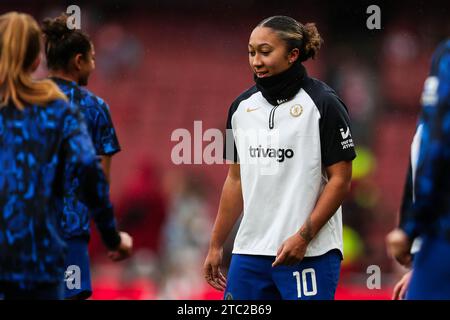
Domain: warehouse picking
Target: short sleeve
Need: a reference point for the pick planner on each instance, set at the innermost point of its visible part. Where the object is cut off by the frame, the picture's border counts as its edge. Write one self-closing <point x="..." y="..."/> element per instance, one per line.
<point x="335" y="132"/>
<point x="230" y="150"/>
<point x="105" y="137"/>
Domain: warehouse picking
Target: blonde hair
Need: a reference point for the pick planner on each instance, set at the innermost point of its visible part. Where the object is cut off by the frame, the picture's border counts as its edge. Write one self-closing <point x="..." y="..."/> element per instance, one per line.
<point x="296" y="35"/>
<point x="19" y="47"/>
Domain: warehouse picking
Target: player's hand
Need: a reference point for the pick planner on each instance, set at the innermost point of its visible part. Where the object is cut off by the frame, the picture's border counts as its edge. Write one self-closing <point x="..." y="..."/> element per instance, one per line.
<point x="401" y="287"/>
<point x="125" y="248"/>
<point x="211" y="269"/>
<point x="291" y="251"/>
<point x="399" y="247"/>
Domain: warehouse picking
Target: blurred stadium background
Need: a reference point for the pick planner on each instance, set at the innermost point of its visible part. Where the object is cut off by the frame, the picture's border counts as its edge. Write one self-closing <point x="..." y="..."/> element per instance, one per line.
<point x="164" y="64"/>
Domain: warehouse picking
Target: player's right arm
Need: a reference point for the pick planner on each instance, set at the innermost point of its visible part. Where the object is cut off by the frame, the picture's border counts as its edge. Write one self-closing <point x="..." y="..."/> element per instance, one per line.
<point x="79" y="154"/>
<point x="107" y="145"/>
<point x="401" y="287"/>
<point x="230" y="208"/>
<point x="126" y="243"/>
<point x="106" y="167"/>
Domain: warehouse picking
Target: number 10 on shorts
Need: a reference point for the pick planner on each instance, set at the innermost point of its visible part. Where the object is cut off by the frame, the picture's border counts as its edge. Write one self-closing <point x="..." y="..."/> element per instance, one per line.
<point x="302" y="284"/>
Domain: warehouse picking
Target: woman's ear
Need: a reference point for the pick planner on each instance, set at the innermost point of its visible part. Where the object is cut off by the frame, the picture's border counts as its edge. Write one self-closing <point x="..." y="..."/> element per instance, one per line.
<point x="293" y="55"/>
<point x="77" y="61"/>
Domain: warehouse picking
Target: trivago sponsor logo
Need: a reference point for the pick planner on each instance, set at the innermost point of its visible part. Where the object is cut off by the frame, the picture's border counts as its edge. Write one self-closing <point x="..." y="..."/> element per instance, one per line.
<point x="279" y="154"/>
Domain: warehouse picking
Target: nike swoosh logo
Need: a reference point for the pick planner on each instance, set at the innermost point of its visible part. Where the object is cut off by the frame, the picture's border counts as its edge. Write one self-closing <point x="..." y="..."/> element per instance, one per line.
<point x="250" y="110"/>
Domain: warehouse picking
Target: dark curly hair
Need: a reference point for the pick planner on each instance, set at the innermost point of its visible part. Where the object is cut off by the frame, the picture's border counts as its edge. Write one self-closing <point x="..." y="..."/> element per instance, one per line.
<point x="62" y="43"/>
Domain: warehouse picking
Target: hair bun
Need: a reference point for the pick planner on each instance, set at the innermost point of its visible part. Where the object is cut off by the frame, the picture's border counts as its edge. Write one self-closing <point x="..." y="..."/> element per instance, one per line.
<point x="312" y="41"/>
<point x="55" y="29"/>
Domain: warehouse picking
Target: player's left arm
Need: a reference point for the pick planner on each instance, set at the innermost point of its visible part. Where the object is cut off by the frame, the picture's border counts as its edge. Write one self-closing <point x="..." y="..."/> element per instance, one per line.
<point x="334" y="193"/>
<point x="337" y="149"/>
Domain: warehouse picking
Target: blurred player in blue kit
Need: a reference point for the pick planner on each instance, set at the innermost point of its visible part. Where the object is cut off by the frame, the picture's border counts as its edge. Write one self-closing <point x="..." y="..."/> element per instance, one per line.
<point x="41" y="135"/>
<point x="425" y="211"/>
<point x="71" y="59"/>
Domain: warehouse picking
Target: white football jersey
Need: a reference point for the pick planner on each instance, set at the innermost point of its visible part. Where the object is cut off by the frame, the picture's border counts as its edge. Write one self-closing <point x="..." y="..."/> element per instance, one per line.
<point x="283" y="151"/>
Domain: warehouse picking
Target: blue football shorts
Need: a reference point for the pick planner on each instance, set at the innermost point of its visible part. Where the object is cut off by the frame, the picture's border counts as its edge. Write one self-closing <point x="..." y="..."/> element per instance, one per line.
<point x="431" y="271"/>
<point x="77" y="275"/>
<point x="252" y="277"/>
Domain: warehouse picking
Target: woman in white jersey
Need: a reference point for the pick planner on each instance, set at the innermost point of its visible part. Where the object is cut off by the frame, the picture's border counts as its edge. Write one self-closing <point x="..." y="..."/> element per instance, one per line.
<point x="291" y="150"/>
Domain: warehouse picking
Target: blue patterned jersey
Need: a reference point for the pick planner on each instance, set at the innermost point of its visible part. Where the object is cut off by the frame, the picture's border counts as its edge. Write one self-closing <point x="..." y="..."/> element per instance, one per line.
<point x="427" y="210"/>
<point x="408" y="190"/>
<point x="35" y="146"/>
<point x="100" y="127"/>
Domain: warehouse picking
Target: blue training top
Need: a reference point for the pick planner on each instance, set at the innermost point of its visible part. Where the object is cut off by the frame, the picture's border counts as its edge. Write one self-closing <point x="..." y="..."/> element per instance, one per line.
<point x="36" y="145"/>
<point x="426" y="205"/>
<point x="103" y="135"/>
